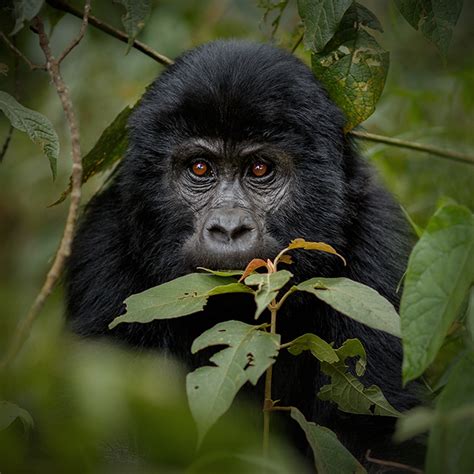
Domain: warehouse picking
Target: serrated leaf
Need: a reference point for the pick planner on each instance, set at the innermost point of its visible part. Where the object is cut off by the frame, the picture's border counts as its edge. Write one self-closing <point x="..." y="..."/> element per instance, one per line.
<point x="176" y="298"/>
<point x="321" y="20"/>
<point x="330" y="455"/>
<point x="348" y="392"/>
<point x="353" y="66"/>
<point x="436" y="19"/>
<point x="9" y="412"/>
<point x="451" y="441"/>
<point x="268" y="286"/>
<point x="24" y="11"/>
<point x="320" y="349"/>
<point x="212" y="389"/>
<point x="38" y="128"/>
<point x="321" y="246"/>
<point x="109" y="149"/>
<point x="355" y="300"/>
<point x="439" y="275"/>
<point x="135" y="17"/>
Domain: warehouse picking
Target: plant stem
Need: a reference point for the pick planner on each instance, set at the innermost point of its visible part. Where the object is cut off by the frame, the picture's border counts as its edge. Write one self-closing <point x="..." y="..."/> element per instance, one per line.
<point x="268" y="401"/>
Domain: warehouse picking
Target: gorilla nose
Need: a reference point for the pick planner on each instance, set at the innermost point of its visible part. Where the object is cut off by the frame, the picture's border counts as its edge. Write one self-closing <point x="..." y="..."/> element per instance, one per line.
<point x="230" y="228"/>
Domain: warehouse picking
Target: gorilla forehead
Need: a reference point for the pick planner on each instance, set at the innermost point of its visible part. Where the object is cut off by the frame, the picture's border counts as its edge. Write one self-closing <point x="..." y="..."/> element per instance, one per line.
<point x="237" y="90"/>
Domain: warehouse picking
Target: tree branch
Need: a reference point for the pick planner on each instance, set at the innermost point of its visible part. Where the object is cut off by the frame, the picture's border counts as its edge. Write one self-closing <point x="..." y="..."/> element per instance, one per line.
<point x="397" y="465"/>
<point x="110" y="30"/>
<point x="452" y="155"/>
<point x="18" y="53"/>
<point x="64" y="249"/>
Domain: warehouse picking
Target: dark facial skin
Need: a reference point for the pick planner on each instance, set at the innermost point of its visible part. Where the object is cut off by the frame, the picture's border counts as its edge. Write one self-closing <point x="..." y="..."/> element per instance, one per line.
<point x="230" y="192"/>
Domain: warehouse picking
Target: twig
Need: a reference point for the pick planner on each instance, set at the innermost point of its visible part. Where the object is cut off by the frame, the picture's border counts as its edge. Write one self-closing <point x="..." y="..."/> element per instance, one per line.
<point x="82" y="31"/>
<point x="64" y="248"/>
<point x="300" y="39"/>
<point x="6" y="143"/>
<point x="397" y="465"/>
<point x="110" y="30"/>
<point x="31" y="65"/>
<point x="452" y="155"/>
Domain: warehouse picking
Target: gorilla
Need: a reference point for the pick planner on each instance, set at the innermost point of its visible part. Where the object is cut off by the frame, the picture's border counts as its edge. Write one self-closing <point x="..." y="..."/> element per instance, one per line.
<point x="235" y="150"/>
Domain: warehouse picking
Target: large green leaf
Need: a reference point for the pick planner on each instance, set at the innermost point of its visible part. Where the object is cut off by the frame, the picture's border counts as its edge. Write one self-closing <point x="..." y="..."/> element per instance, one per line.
<point x="268" y="286"/>
<point x="135" y="17"/>
<point x="330" y="455"/>
<point x="109" y="149"/>
<point x="176" y="298"/>
<point x="439" y="275"/>
<point x="321" y="20"/>
<point x="37" y="127"/>
<point x="451" y="442"/>
<point x="353" y="66"/>
<point x="9" y="412"/>
<point x="25" y="10"/>
<point x="436" y="19"/>
<point x="212" y="389"/>
<point x="356" y="301"/>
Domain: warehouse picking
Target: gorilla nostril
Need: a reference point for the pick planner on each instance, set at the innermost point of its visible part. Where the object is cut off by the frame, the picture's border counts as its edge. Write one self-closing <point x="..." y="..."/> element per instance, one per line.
<point x="219" y="233"/>
<point x="240" y="232"/>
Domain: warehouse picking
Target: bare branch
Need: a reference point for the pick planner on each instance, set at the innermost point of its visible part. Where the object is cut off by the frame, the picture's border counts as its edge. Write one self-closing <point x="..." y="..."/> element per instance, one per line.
<point x="82" y="31"/>
<point x="16" y="51"/>
<point x="64" y="249"/>
<point x="110" y="30"/>
<point x="452" y="155"/>
<point x="397" y="465"/>
<point x="300" y="39"/>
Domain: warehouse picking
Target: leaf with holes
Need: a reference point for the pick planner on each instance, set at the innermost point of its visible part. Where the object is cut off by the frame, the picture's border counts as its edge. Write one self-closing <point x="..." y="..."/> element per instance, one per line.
<point x="321" y="20"/>
<point x="436" y="19"/>
<point x="109" y="149"/>
<point x="37" y="127"/>
<point x="353" y="66"/>
<point x="355" y="300"/>
<point x="348" y="392"/>
<point x="268" y="286"/>
<point x="211" y="389"/>
<point x="439" y="275"/>
<point x="330" y="455"/>
<point x="320" y="349"/>
<point x="176" y="298"/>
<point x="135" y="17"/>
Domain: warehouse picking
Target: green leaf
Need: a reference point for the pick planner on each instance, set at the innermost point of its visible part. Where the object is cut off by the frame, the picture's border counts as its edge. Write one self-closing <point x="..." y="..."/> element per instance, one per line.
<point x="212" y="389"/>
<point x="413" y="423"/>
<point x="37" y="127"/>
<point x="137" y="13"/>
<point x="330" y="455"/>
<point x="25" y="10"/>
<point x="9" y="412"/>
<point x="176" y="298"/>
<point x="321" y="20"/>
<point x="222" y="273"/>
<point x="439" y="275"/>
<point x="268" y="286"/>
<point x="450" y="445"/>
<point x="436" y="19"/>
<point x="109" y="149"/>
<point x="353" y="66"/>
<point x="355" y="300"/>
<point x="320" y="349"/>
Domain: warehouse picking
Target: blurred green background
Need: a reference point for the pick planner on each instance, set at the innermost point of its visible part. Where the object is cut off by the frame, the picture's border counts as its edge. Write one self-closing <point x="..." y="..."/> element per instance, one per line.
<point x="425" y="99"/>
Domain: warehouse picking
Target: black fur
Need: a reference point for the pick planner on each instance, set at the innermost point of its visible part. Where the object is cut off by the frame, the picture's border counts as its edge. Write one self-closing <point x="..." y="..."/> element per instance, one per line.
<point x="132" y="234"/>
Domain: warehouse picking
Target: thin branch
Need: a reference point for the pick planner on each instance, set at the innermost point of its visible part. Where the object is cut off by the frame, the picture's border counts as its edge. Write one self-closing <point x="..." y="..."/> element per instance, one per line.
<point x="295" y="47"/>
<point x="82" y="31"/>
<point x="15" y="50"/>
<point x="110" y="30"/>
<point x="64" y="249"/>
<point x="452" y="155"/>
<point x="6" y="143"/>
<point x="382" y="462"/>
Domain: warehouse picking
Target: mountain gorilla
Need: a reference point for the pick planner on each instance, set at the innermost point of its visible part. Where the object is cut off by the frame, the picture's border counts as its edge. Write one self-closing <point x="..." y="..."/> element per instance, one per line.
<point x="235" y="150"/>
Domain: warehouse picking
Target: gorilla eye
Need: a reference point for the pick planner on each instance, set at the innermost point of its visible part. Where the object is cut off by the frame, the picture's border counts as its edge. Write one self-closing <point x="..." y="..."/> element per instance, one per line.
<point x="260" y="169"/>
<point x="200" y="168"/>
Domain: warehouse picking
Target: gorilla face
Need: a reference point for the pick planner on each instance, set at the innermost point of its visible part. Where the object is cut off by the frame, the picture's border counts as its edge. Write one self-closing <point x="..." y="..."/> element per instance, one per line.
<point x="231" y="156"/>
